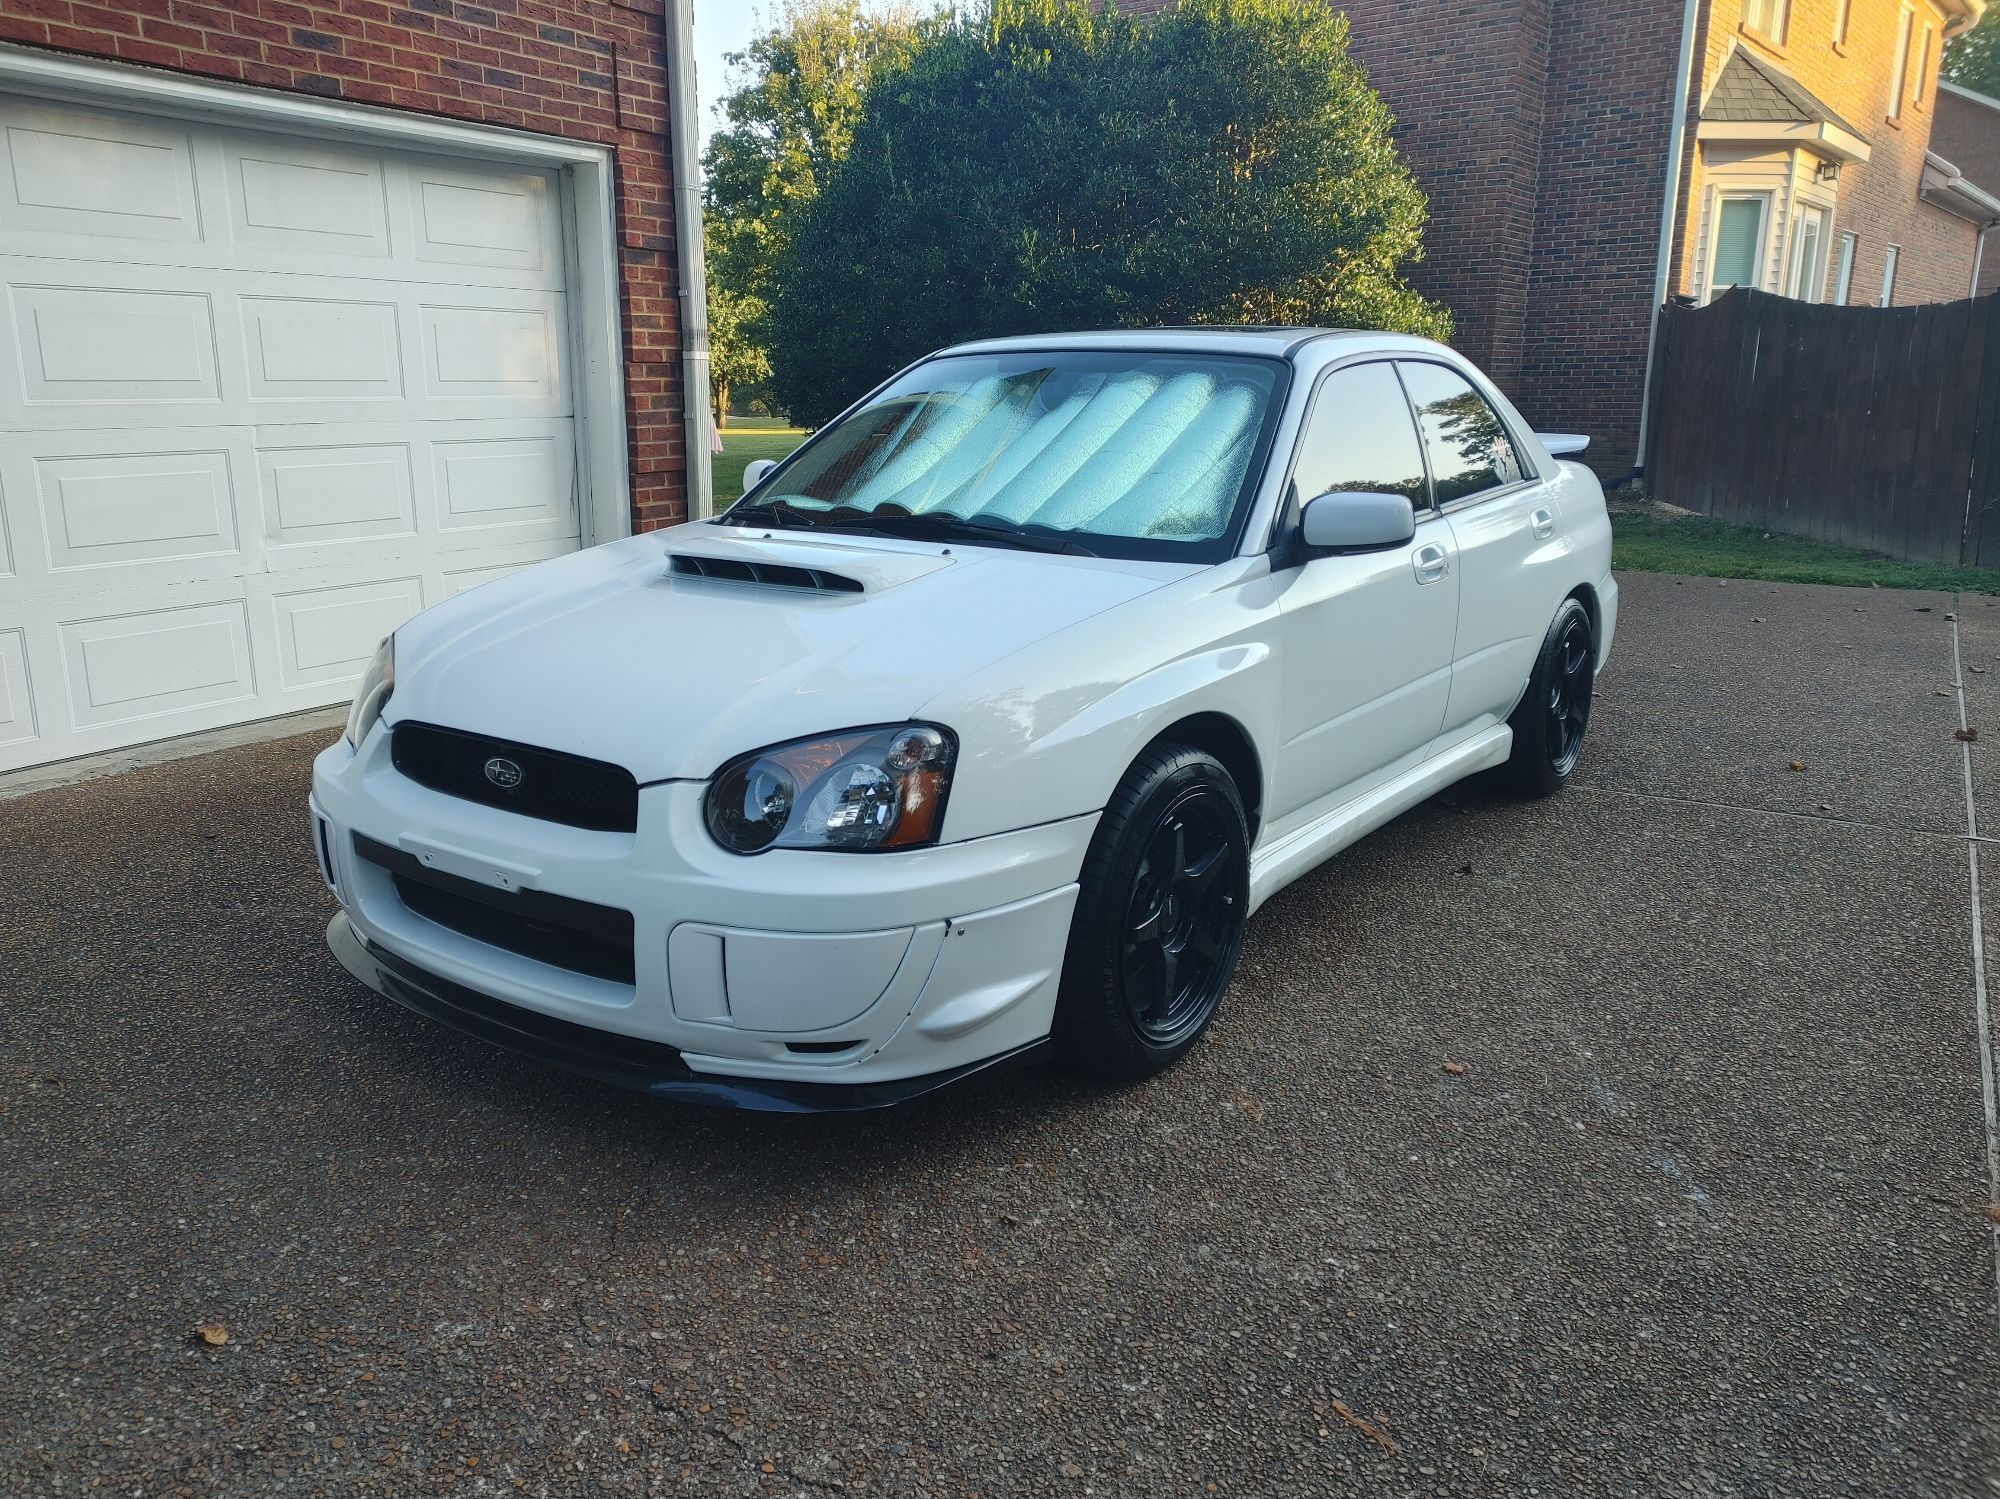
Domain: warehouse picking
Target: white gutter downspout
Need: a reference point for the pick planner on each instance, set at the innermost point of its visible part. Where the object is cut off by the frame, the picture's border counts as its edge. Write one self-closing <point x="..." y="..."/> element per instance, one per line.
<point x="1663" y="266"/>
<point x="691" y="275"/>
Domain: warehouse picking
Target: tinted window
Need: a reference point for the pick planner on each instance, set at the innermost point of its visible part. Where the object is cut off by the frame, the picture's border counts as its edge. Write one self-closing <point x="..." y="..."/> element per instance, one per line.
<point x="1468" y="445"/>
<point x="1361" y="437"/>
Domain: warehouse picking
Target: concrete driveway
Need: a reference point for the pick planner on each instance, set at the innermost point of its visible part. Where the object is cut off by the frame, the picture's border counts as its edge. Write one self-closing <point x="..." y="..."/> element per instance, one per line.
<point x="1704" y="1214"/>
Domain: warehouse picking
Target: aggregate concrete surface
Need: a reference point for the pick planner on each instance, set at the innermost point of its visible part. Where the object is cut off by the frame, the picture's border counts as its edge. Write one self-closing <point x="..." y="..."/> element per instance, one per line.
<point x="1704" y="1213"/>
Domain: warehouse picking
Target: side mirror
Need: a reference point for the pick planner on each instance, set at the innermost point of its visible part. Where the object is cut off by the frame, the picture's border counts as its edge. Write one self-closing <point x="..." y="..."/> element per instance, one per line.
<point x="756" y="471"/>
<point x="1564" y="444"/>
<point x="1357" y="521"/>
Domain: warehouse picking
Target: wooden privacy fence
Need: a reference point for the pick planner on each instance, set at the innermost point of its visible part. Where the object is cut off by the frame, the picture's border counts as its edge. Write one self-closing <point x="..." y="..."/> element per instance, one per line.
<point x="1874" y="428"/>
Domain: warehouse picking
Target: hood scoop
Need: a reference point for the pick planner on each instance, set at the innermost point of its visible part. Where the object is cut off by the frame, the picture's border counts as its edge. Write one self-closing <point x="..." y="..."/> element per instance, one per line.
<point x="735" y="554"/>
<point x="770" y="574"/>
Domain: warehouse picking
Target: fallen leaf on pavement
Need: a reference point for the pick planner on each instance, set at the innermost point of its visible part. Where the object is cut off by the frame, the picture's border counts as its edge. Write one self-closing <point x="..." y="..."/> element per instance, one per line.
<point x="1966" y="736"/>
<point x="1367" y="1428"/>
<point x="212" y="1333"/>
<point x="1456" y="1069"/>
<point x="1798" y="765"/>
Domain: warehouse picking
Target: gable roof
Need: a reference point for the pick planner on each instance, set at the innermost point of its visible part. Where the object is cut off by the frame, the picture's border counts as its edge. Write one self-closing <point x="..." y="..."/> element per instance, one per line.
<point x="1751" y="91"/>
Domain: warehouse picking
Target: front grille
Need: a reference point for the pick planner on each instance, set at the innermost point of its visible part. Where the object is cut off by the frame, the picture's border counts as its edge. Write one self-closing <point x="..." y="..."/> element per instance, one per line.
<point x="541" y="783"/>
<point x="553" y="929"/>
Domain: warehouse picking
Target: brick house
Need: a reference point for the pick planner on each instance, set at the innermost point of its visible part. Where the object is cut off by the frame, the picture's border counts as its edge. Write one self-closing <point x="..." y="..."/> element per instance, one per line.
<point x="312" y="314"/>
<point x="1966" y="141"/>
<point x="1544" y="132"/>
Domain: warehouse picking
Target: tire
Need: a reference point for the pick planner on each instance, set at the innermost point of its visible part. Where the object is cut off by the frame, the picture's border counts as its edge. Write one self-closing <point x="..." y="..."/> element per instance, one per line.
<point x="1149" y="959"/>
<point x="1550" y="720"/>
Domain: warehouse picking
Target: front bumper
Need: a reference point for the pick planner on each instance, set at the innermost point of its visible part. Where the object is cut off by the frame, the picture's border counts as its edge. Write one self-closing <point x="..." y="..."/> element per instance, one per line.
<point x="625" y="1061"/>
<point x="884" y="975"/>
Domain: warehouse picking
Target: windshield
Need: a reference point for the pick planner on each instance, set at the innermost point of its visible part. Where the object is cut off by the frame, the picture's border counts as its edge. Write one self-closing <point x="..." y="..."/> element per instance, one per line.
<point x="1108" y="454"/>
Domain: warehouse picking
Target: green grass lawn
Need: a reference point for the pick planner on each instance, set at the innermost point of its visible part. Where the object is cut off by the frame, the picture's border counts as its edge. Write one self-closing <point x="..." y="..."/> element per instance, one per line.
<point x="1710" y="548"/>
<point x="745" y="439"/>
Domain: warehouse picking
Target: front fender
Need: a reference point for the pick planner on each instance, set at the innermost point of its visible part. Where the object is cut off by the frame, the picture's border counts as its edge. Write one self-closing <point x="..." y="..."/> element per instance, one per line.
<point x="1049" y="732"/>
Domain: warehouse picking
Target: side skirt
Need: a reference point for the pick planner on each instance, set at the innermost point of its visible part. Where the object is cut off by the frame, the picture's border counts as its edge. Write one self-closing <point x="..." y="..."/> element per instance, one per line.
<point x="1277" y="865"/>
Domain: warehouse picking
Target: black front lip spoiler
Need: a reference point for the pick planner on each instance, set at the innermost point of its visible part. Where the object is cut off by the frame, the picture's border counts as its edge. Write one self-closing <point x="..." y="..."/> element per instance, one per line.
<point x="650" y="1067"/>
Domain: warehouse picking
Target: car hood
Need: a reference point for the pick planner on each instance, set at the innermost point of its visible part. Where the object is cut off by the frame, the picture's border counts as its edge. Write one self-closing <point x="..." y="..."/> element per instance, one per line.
<point x="673" y="652"/>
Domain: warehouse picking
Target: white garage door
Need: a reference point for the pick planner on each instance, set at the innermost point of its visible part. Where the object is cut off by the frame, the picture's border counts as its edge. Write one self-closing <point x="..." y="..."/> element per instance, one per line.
<point x="261" y="399"/>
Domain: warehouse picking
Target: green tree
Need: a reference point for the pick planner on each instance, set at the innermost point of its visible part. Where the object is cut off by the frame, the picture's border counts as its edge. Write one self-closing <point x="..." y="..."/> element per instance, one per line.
<point x="1049" y="165"/>
<point x="1973" y="60"/>
<point x="787" y="122"/>
<point x="736" y="357"/>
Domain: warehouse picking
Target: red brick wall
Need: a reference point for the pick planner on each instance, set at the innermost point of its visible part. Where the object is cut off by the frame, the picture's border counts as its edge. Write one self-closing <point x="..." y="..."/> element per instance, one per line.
<point x="1608" y="127"/>
<point x="1468" y="97"/>
<point x="588" y="70"/>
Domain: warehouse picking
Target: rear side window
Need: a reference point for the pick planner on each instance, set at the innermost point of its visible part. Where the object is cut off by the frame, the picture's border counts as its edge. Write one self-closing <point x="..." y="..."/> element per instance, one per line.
<point x="1360" y="437"/>
<point x="1468" y="444"/>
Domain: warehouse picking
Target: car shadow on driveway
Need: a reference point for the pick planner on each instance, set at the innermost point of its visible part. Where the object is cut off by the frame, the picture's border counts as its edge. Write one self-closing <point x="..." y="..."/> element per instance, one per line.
<point x="1606" y="1145"/>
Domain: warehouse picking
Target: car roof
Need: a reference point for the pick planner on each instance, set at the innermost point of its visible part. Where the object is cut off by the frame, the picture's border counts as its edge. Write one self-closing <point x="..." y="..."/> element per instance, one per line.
<point x="1218" y="338"/>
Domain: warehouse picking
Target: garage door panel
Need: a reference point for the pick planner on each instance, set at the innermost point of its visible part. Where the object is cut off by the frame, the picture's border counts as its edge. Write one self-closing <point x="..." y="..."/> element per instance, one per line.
<point x="94" y="344"/>
<point x="105" y="509"/>
<point x="484" y="218"/>
<point x="500" y="356"/>
<point x="294" y="197"/>
<point x="327" y="635"/>
<point x="316" y="494"/>
<point x="17" y="702"/>
<point x="492" y="483"/>
<point x="322" y="349"/>
<point x="127" y="668"/>
<point x="73" y="172"/>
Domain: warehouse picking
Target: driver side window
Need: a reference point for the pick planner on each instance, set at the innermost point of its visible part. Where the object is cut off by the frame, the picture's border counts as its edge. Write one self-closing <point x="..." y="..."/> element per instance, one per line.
<point x="1361" y="436"/>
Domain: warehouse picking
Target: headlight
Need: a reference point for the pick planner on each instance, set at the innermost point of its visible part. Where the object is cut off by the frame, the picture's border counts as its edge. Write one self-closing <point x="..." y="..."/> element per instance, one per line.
<point x="861" y="791"/>
<point x="376" y="685"/>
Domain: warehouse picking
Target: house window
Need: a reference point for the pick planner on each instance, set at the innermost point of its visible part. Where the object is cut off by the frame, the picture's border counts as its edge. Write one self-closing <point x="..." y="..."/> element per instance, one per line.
<point x="1808" y="278"/>
<point x="1767" y="17"/>
<point x="1739" y="242"/>
<point x="1843" y="277"/>
<point x="1899" y="77"/>
<point x="1889" y="277"/>
<point x="1841" y="16"/>
<point x="1924" y="66"/>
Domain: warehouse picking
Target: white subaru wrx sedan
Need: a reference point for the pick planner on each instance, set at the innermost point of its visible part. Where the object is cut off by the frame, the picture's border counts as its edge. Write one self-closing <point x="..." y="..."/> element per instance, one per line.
<point x="979" y="727"/>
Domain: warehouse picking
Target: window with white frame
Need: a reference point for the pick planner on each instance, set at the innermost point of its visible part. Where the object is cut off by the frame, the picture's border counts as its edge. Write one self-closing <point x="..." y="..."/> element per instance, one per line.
<point x="1843" y="276"/>
<point x="1889" y="276"/>
<point x="1898" y="77"/>
<point x="1767" y="17"/>
<point x="1736" y="256"/>
<point x="1807" y="281"/>
<point x="1842" y="16"/>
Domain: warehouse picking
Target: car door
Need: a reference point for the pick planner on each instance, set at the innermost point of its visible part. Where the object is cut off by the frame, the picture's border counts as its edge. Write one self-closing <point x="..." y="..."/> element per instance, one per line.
<point x="1501" y="517"/>
<point x="1367" y="637"/>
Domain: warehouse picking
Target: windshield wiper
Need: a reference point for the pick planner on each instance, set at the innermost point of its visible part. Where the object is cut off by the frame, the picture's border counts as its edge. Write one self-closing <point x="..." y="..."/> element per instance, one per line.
<point x="939" y="526"/>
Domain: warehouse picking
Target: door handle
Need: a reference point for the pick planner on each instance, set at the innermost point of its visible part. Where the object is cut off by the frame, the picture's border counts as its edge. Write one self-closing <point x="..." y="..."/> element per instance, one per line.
<point x="1544" y="522"/>
<point x="1430" y="562"/>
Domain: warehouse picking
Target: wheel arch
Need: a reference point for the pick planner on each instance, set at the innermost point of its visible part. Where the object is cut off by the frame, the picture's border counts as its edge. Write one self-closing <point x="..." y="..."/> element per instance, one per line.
<point x="1220" y="735"/>
<point x="1586" y="595"/>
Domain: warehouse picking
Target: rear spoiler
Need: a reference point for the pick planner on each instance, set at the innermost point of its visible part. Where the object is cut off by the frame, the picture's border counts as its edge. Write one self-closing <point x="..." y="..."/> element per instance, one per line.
<point x="1564" y="444"/>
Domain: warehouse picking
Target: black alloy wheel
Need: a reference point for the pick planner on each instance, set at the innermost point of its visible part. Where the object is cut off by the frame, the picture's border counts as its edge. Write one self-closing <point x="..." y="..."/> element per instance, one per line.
<point x="1164" y="897"/>
<point x="1570" y="686"/>
<point x="1549" y="724"/>
<point x="1183" y="920"/>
